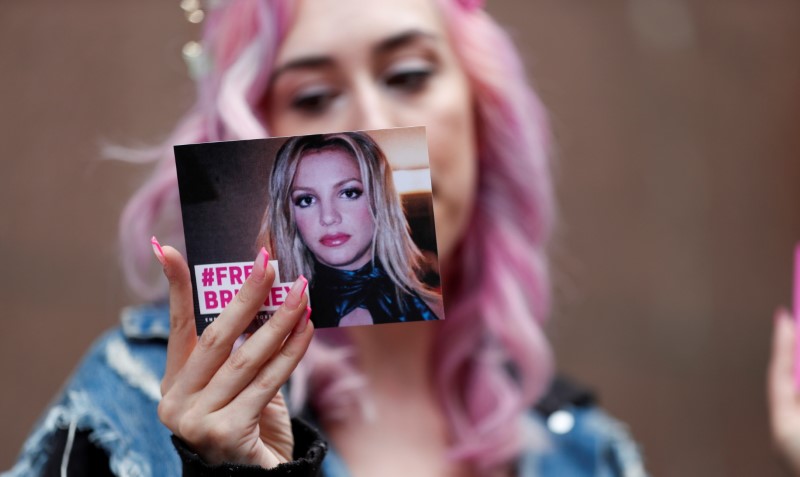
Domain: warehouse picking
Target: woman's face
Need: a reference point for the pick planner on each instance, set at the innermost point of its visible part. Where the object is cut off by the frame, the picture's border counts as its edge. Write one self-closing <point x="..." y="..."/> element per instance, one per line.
<point x="362" y="64"/>
<point x="331" y="211"/>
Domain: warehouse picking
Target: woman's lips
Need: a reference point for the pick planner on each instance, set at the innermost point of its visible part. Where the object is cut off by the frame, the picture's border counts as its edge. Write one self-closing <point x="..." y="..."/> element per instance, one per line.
<point x="334" y="240"/>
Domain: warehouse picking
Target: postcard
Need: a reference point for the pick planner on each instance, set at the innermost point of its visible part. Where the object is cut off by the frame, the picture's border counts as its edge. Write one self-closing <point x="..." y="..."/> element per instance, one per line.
<point x="350" y="211"/>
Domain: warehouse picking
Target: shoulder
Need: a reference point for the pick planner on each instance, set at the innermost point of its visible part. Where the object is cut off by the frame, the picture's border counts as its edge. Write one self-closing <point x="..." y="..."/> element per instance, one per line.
<point x="113" y="396"/>
<point x="578" y="438"/>
<point x="129" y="357"/>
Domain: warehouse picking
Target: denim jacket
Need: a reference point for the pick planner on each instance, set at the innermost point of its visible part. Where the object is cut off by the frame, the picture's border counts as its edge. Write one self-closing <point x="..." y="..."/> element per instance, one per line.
<point x="115" y="391"/>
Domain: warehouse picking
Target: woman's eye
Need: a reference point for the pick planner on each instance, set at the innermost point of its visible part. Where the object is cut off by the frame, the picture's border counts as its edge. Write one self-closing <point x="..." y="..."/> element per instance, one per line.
<point x="303" y="201"/>
<point x="409" y="80"/>
<point x="313" y="101"/>
<point x="352" y="193"/>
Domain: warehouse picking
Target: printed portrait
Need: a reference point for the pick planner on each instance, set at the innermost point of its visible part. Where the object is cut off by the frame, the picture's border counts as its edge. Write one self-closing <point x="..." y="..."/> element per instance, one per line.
<point x="350" y="211"/>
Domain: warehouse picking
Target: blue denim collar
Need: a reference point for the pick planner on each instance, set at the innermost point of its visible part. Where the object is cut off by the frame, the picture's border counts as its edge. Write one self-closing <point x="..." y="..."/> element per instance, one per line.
<point x="146" y="322"/>
<point x="596" y="445"/>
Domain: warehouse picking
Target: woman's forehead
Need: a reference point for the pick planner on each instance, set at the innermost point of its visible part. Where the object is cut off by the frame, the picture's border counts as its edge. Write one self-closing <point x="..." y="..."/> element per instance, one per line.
<point x="345" y="27"/>
<point x="328" y="164"/>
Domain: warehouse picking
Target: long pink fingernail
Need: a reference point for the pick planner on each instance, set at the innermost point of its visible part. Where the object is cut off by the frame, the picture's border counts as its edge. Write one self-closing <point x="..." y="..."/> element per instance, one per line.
<point x="158" y="251"/>
<point x="303" y="321"/>
<point x="296" y="293"/>
<point x="260" y="265"/>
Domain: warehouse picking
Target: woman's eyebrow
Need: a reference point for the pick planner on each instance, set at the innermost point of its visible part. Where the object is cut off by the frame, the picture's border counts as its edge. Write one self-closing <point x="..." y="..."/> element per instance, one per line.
<point x="386" y="45"/>
<point x="308" y="62"/>
<point x="345" y="181"/>
<point x="402" y="39"/>
<point x="338" y="184"/>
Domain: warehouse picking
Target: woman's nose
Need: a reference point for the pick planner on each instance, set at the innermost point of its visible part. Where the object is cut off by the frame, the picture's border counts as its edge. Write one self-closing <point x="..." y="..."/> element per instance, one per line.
<point x="371" y="108"/>
<point x="329" y="215"/>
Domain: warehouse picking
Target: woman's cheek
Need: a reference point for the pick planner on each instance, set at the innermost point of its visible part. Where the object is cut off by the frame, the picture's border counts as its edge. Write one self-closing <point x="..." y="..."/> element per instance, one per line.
<point x="304" y="223"/>
<point x="365" y="222"/>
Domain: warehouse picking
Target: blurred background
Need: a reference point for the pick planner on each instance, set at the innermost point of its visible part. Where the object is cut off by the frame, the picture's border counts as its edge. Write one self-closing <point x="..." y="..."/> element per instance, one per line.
<point x="678" y="132"/>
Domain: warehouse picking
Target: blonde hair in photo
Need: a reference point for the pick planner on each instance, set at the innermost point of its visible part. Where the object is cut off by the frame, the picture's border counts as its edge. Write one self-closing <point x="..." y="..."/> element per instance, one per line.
<point x="391" y="244"/>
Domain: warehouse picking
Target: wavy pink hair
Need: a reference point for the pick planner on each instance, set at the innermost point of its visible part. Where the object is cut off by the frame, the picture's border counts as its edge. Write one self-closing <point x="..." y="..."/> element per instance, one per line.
<point x="492" y="360"/>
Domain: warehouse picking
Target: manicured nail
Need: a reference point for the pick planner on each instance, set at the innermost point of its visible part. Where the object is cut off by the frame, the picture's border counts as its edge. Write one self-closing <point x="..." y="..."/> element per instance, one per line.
<point x="158" y="251"/>
<point x="260" y="264"/>
<point x="296" y="293"/>
<point x="303" y="321"/>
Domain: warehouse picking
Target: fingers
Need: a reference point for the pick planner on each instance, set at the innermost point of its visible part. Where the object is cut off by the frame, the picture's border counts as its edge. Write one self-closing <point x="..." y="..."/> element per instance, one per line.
<point x="203" y="378"/>
<point x="243" y="365"/>
<point x="182" y="330"/>
<point x="270" y="378"/>
<point x="215" y="344"/>
<point x="781" y="386"/>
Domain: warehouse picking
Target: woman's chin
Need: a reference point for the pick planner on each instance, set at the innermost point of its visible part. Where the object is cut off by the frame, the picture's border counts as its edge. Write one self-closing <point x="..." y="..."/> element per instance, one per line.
<point x="342" y="263"/>
<point x="344" y="259"/>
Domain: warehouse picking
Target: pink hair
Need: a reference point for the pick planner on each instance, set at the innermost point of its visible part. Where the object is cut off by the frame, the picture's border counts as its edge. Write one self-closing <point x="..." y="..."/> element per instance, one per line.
<point x="498" y="286"/>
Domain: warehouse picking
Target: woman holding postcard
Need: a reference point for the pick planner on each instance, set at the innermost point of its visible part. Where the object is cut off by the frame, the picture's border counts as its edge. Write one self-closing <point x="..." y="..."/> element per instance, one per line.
<point x="336" y="218"/>
<point x="453" y="397"/>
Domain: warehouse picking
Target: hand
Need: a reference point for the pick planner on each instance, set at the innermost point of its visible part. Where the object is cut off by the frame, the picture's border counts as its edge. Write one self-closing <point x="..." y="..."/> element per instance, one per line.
<point x="784" y="399"/>
<point x="227" y="406"/>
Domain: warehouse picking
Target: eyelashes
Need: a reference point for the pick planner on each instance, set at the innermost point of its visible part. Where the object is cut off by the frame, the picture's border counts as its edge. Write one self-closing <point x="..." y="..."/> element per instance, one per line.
<point x="313" y="100"/>
<point x="407" y="77"/>
<point x="304" y="201"/>
<point x="351" y="193"/>
<point x="410" y="76"/>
